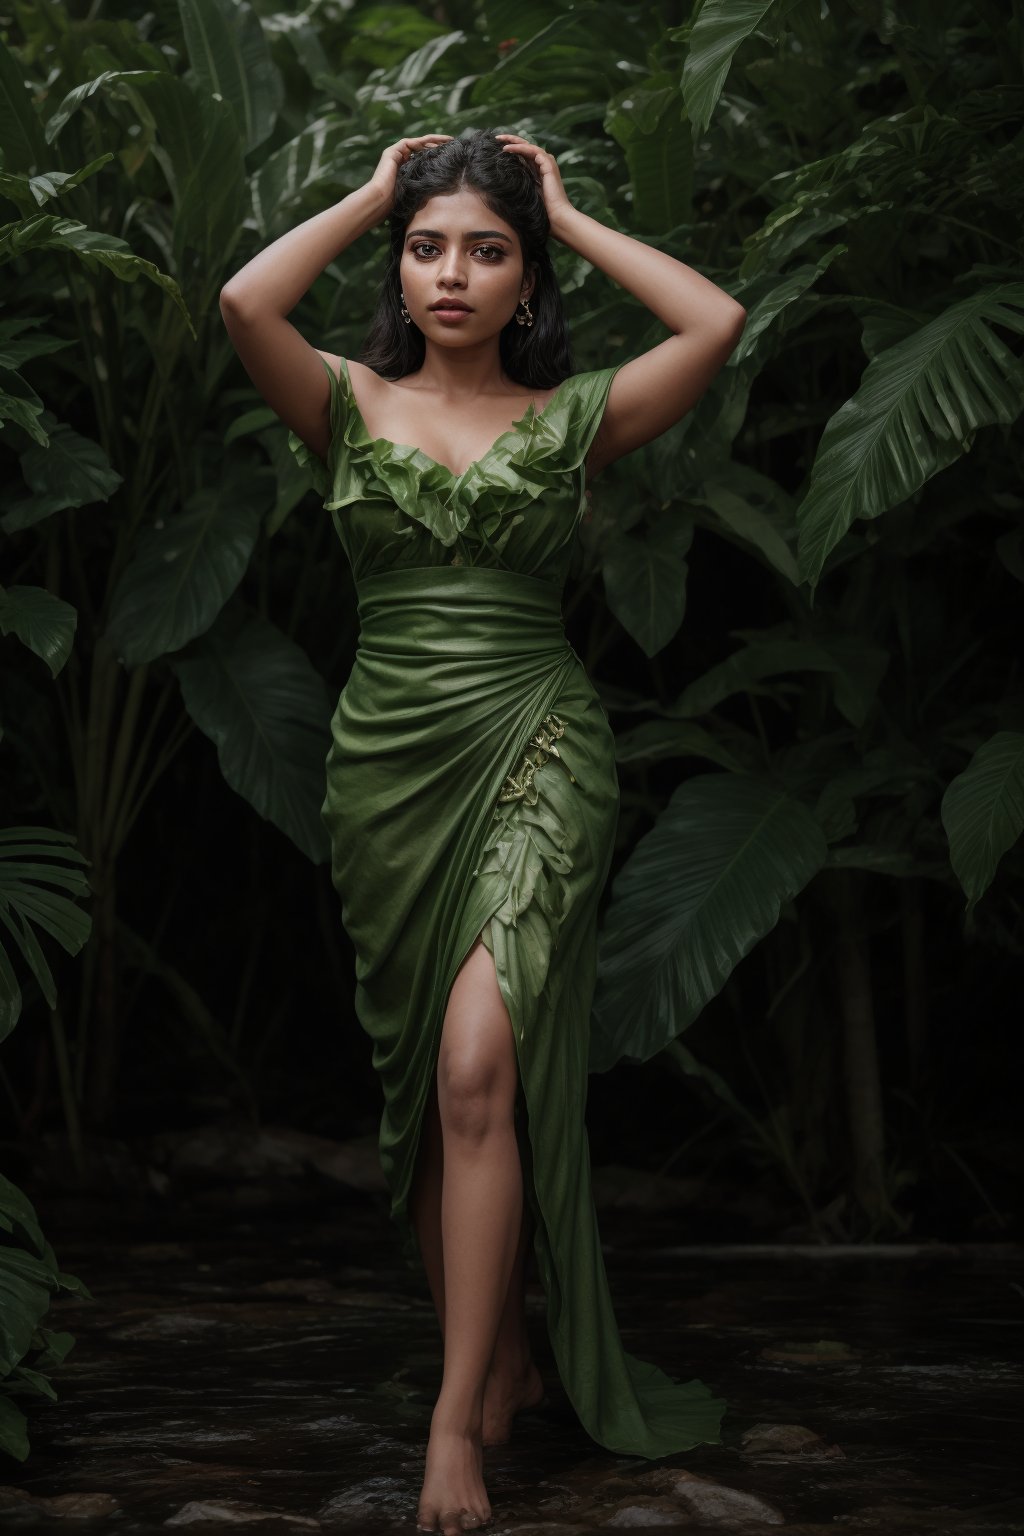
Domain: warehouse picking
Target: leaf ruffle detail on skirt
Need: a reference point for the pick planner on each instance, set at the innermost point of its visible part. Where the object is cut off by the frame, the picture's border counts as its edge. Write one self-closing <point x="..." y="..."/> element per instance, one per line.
<point x="528" y="857"/>
<point x="520" y="785"/>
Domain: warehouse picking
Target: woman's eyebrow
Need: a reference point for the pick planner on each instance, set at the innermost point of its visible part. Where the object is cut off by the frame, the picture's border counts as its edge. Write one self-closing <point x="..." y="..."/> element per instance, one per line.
<point x="472" y="234"/>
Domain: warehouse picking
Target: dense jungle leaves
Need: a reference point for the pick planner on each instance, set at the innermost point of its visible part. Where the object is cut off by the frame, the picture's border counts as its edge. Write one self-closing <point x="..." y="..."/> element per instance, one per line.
<point x="182" y="574"/>
<point x="46" y="624"/>
<point x="811" y="586"/>
<point x="917" y="409"/>
<point x="983" y="811"/>
<point x="255" y="694"/>
<point x="697" y="893"/>
<point x="26" y="904"/>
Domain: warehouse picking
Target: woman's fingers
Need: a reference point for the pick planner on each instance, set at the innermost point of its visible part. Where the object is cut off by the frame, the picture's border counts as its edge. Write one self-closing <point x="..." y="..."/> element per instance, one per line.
<point x="516" y="141"/>
<point x="427" y="138"/>
<point x="517" y="144"/>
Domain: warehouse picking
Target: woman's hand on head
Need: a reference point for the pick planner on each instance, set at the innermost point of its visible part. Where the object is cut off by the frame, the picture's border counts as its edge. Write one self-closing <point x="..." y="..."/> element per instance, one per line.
<point x="394" y="157"/>
<point x="556" y="201"/>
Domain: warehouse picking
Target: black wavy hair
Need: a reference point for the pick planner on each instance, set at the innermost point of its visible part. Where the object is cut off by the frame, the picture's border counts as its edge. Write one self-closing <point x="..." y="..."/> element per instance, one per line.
<point x="537" y="356"/>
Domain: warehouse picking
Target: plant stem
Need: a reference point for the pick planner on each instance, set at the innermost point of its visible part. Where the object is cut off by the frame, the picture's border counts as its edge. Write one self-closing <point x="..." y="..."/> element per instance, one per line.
<point x="68" y="1096"/>
<point x="122" y="753"/>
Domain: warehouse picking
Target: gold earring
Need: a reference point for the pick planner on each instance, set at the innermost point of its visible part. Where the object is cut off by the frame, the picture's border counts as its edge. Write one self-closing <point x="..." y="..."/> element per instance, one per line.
<point x="405" y="313"/>
<point x="527" y="317"/>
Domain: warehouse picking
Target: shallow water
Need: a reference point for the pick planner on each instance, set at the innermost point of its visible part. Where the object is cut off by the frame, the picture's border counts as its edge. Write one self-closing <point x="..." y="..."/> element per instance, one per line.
<point x="259" y="1353"/>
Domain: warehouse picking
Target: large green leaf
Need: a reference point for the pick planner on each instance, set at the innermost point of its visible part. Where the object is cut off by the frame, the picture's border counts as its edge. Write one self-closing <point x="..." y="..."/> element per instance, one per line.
<point x="61" y="469"/>
<point x="30" y="192"/>
<point x="110" y="83"/>
<point x="523" y="57"/>
<point x="646" y="119"/>
<point x="20" y="343"/>
<point x="720" y="28"/>
<point x="26" y="903"/>
<point x="918" y="407"/>
<point x="414" y="69"/>
<point x="18" y="1214"/>
<point x="20" y="403"/>
<point x="255" y="694"/>
<point x="325" y="155"/>
<point x="207" y="178"/>
<point x="26" y="1285"/>
<point x="21" y="132"/>
<point x="778" y="301"/>
<point x="735" y="500"/>
<point x="855" y="668"/>
<point x="645" y="580"/>
<point x="230" y="58"/>
<point x="43" y="622"/>
<point x="182" y="574"/>
<point x="983" y="811"/>
<point x="699" y="890"/>
<point x="93" y="248"/>
<point x="657" y="739"/>
<point x="895" y="772"/>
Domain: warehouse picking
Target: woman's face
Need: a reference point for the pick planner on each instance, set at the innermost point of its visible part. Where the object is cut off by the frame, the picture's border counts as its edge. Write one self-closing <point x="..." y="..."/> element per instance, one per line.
<point x="458" y="252"/>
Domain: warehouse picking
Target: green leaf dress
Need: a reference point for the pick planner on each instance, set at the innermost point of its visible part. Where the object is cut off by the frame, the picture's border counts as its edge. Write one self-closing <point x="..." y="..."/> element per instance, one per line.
<point x="471" y="790"/>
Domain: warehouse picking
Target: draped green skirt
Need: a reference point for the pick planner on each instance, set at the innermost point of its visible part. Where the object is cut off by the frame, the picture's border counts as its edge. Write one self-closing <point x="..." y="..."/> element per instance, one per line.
<point x="471" y="790"/>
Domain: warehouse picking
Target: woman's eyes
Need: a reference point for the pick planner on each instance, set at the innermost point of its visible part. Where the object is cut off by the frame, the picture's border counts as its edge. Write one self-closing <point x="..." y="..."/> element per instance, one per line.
<point x="422" y="245"/>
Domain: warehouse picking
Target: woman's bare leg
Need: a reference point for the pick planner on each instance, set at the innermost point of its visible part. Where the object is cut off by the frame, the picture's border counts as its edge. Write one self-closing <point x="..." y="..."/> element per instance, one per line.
<point x="425" y="1201"/>
<point x="513" y="1380"/>
<point x="481" y="1216"/>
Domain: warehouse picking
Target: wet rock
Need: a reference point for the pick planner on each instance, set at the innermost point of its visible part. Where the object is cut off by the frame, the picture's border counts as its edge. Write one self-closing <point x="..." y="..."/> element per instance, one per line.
<point x="166" y="1325"/>
<point x="98" y="1163"/>
<point x="643" y="1513"/>
<point x="233" y="1512"/>
<point x="821" y="1352"/>
<point x="939" y="1520"/>
<point x="358" y="1507"/>
<point x="545" y="1528"/>
<point x="633" y="1487"/>
<point x="715" y="1504"/>
<point x="157" y="1253"/>
<point x="785" y="1440"/>
<point x="238" y="1152"/>
<point x="68" y="1506"/>
<point x="559" y="1503"/>
<point x="298" y="1287"/>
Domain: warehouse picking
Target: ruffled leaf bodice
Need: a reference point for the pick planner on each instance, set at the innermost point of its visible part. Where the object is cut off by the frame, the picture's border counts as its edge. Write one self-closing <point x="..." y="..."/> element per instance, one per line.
<point x="517" y="507"/>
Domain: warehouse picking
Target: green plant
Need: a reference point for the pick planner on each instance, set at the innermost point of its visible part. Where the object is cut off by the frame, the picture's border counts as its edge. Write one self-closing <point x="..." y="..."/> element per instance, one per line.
<point x="29" y="1277"/>
<point x="847" y="490"/>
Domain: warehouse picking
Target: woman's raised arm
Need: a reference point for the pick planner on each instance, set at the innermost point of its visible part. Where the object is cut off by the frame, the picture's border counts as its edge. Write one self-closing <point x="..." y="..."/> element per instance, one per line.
<point x="286" y="370"/>
<point x="652" y="392"/>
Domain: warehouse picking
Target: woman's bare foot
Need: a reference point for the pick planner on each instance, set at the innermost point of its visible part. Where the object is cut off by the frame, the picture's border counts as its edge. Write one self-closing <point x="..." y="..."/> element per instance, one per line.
<point x="505" y="1393"/>
<point x="453" y="1497"/>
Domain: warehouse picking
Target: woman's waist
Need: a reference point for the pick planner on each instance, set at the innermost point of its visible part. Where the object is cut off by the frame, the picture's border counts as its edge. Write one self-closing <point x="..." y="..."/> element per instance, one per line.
<point x="459" y="611"/>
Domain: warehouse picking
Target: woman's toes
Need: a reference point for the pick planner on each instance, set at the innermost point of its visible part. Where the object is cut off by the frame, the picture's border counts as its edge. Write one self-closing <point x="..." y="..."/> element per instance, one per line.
<point x="454" y="1521"/>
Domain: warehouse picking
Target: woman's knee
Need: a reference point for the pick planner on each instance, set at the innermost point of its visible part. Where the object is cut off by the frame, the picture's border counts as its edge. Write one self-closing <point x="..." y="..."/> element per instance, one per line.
<point x="477" y="1071"/>
<point x="476" y="1091"/>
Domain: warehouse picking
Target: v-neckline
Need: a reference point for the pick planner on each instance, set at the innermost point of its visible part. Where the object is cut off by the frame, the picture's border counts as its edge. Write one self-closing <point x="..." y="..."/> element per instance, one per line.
<point x="474" y="463"/>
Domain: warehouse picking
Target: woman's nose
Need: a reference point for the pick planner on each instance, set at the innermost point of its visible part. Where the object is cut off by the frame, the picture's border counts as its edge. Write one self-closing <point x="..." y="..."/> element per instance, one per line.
<point x="452" y="271"/>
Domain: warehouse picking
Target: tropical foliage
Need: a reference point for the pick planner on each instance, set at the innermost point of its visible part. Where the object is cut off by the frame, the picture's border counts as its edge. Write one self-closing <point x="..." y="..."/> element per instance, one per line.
<point x="801" y="605"/>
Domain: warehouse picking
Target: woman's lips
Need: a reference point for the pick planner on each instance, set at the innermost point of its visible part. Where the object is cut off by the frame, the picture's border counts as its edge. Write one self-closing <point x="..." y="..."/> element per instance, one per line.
<point x="450" y="315"/>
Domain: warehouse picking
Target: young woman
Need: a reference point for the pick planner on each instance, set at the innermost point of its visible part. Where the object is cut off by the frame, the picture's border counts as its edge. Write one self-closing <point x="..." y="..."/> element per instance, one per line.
<point x="471" y="788"/>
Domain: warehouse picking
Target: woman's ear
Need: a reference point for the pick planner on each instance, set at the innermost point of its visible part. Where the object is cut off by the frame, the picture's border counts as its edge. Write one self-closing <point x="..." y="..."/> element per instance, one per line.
<point x="529" y="281"/>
